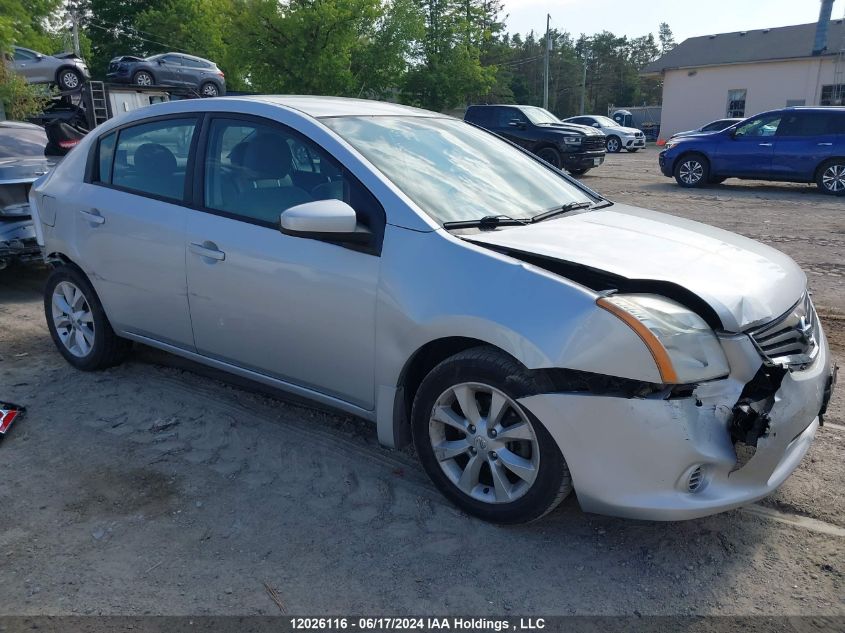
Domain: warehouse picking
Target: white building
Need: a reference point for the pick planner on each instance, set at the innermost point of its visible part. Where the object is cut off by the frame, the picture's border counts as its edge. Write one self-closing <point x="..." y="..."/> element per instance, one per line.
<point x="744" y="73"/>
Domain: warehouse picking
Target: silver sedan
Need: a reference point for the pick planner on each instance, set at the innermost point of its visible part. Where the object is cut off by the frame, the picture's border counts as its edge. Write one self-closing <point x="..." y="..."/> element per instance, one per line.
<point x="527" y="335"/>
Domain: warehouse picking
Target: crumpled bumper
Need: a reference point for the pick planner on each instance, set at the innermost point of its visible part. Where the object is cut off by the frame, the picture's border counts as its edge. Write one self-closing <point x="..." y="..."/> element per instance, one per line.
<point x="635" y="457"/>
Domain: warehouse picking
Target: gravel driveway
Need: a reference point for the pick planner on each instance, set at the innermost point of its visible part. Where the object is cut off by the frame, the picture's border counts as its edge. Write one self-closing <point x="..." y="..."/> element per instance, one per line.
<point x="162" y="487"/>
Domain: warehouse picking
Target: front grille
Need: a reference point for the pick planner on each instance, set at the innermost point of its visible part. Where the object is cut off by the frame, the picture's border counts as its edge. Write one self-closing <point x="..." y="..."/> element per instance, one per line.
<point x="791" y="340"/>
<point x="591" y="143"/>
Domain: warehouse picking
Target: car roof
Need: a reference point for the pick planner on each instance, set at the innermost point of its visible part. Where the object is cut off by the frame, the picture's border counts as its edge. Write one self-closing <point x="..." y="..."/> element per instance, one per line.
<point x="317" y="106"/>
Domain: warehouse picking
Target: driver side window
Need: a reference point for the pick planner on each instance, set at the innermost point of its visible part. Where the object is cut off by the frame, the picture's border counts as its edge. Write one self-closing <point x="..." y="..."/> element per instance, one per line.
<point x="759" y="127"/>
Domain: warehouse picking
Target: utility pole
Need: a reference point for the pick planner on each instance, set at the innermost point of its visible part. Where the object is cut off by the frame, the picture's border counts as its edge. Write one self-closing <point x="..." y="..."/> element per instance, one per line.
<point x="546" y="63"/>
<point x="584" y="81"/>
<point x="74" y="19"/>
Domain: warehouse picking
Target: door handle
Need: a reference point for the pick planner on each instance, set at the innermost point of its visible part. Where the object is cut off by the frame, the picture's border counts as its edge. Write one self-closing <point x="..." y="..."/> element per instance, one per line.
<point x="765" y="144"/>
<point x="92" y="215"/>
<point x="825" y="144"/>
<point x="208" y="249"/>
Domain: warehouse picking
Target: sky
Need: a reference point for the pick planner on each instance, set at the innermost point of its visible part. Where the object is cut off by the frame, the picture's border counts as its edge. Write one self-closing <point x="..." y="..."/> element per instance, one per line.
<point x="639" y="17"/>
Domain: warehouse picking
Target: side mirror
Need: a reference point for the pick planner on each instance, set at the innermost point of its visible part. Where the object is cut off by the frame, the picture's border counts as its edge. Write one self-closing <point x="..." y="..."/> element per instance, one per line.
<point x="328" y="220"/>
<point x="596" y="125"/>
<point x="161" y="62"/>
<point x="517" y="123"/>
<point x="39" y="57"/>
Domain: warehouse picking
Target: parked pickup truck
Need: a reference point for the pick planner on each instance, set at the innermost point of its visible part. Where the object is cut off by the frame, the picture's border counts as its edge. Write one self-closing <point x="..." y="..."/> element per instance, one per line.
<point x="576" y="148"/>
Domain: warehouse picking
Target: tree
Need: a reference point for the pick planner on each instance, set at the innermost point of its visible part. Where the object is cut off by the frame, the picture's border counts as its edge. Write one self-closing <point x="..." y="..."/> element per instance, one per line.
<point x="667" y="40"/>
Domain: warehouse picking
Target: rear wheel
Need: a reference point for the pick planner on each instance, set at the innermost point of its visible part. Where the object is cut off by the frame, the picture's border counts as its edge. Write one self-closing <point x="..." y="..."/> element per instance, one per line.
<point x="692" y="170"/>
<point x="831" y="177"/>
<point x="551" y="156"/>
<point x="481" y="448"/>
<point x="614" y="145"/>
<point x="77" y="323"/>
<point x="209" y="89"/>
<point x="68" y="79"/>
<point x="142" y="78"/>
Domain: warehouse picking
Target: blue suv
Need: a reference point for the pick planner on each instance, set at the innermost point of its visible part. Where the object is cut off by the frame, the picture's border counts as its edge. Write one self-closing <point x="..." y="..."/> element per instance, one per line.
<point x="790" y="145"/>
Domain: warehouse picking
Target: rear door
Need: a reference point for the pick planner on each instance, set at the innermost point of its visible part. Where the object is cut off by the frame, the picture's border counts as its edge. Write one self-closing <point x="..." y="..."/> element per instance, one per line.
<point x="130" y="220"/>
<point x="748" y="152"/>
<point x="805" y="139"/>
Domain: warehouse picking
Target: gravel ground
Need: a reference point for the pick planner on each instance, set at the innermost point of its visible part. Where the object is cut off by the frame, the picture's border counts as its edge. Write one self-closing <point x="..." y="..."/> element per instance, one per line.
<point x="159" y="487"/>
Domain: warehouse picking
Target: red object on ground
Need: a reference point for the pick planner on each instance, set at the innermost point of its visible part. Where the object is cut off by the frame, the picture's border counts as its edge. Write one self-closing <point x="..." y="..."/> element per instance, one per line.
<point x="8" y="414"/>
<point x="660" y="142"/>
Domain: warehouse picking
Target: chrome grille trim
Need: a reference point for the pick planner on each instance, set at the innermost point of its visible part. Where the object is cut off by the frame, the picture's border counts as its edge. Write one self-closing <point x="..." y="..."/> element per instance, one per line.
<point x="791" y="340"/>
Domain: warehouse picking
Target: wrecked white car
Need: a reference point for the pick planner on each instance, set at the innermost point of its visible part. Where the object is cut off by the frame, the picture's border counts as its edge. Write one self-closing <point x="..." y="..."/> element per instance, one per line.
<point x="528" y="335"/>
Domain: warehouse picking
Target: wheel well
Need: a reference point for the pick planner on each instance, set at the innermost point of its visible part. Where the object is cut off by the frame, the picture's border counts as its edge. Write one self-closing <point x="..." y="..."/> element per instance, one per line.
<point x="687" y="155"/>
<point x="61" y="69"/>
<point x="60" y="259"/>
<point x="416" y="369"/>
<point x="825" y="162"/>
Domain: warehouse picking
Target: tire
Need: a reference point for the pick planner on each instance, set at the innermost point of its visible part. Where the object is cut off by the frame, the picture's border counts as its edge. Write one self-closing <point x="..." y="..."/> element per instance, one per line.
<point x="579" y="172"/>
<point x="551" y="156"/>
<point x="632" y="150"/>
<point x="692" y="170"/>
<point x="143" y="78"/>
<point x="68" y="79"/>
<point x="492" y="490"/>
<point x="209" y="89"/>
<point x="613" y="144"/>
<point x="99" y="347"/>
<point x="831" y="177"/>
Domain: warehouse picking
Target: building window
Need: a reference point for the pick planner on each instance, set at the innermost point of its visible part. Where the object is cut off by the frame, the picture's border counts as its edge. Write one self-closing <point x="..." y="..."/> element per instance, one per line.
<point x="736" y="104"/>
<point x="833" y="95"/>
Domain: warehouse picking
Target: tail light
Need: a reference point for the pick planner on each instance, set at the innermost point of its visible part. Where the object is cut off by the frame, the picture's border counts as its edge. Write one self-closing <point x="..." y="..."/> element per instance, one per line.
<point x="69" y="144"/>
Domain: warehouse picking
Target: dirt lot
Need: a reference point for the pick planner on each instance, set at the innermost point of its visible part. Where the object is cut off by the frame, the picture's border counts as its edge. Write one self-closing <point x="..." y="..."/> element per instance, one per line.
<point x="158" y="488"/>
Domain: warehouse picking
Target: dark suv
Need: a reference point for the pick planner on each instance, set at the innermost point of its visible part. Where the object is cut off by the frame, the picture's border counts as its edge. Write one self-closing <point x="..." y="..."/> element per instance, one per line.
<point x="576" y="148"/>
<point x="789" y="145"/>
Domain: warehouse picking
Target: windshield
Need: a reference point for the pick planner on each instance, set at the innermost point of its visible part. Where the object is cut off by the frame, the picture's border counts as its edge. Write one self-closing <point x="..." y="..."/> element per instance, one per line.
<point x="538" y="116"/>
<point x="605" y="122"/>
<point x="455" y="171"/>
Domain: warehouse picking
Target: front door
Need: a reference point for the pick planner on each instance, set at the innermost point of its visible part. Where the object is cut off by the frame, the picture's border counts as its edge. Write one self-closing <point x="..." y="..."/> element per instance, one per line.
<point x="295" y="309"/>
<point x="130" y="224"/>
<point x="169" y="70"/>
<point x="749" y="150"/>
<point x="514" y="126"/>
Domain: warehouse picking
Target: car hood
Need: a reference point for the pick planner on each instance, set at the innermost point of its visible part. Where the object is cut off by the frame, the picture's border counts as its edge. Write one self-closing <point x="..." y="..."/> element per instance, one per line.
<point x="622" y="130"/>
<point x="586" y="130"/>
<point x="24" y="169"/>
<point x="744" y="282"/>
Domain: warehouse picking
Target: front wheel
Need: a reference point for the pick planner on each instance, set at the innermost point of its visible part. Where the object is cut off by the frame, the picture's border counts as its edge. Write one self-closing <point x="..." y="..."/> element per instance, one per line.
<point x="69" y="79"/>
<point x="484" y="451"/>
<point x="143" y="78"/>
<point x="831" y="177"/>
<point x="692" y="171"/>
<point x="579" y="172"/>
<point x="77" y="323"/>
<point x="551" y="156"/>
<point x="613" y="144"/>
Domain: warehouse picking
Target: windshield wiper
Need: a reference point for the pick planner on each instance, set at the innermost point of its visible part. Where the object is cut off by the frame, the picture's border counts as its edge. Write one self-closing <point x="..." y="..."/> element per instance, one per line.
<point x="487" y="222"/>
<point x="566" y="208"/>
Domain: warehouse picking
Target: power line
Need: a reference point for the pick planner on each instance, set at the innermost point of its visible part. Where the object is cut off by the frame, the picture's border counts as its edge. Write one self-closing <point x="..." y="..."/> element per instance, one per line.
<point x="143" y="39"/>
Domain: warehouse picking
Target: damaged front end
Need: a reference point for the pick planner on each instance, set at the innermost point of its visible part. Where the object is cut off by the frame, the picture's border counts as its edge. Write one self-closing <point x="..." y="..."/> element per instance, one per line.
<point x="685" y="451"/>
<point x="17" y="231"/>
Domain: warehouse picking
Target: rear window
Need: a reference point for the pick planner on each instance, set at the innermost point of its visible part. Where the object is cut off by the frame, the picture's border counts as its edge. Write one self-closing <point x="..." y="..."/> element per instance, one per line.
<point x="480" y="115"/>
<point x="812" y="124"/>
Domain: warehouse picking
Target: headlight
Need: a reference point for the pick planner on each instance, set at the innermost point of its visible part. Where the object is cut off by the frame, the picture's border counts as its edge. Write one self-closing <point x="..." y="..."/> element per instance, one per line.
<point x="684" y="347"/>
<point x="670" y="144"/>
<point x="572" y="140"/>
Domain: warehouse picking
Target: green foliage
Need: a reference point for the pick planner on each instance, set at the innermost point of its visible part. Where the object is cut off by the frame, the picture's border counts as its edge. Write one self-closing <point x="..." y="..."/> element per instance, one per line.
<point x="19" y="99"/>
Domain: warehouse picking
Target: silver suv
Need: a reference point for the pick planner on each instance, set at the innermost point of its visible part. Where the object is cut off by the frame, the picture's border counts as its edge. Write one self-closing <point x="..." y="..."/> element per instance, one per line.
<point x="67" y="70"/>
<point x="526" y="334"/>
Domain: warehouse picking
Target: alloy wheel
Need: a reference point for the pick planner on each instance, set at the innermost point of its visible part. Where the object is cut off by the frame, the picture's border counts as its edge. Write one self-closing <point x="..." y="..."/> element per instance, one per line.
<point x="833" y="178"/>
<point x="484" y="443"/>
<point x="612" y="145"/>
<point x="143" y="79"/>
<point x="70" y="79"/>
<point x="209" y="90"/>
<point x="73" y="319"/>
<point x="691" y="171"/>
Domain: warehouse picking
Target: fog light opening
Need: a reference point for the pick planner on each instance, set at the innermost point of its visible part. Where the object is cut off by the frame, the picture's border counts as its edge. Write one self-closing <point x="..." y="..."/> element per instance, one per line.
<point x="696" y="480"/>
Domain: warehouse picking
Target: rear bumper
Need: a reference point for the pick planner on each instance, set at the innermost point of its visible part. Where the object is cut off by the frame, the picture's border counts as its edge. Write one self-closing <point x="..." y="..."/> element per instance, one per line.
<point x="635" y="457"/>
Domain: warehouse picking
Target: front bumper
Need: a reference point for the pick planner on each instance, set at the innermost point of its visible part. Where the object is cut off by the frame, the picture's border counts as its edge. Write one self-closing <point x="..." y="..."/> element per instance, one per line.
<point x="582" y="160"/>
<point x="18" y="242"/>
<point x="634" y="457"/>
<point x="666" y="165"/>
<point x="633" y="142"/>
